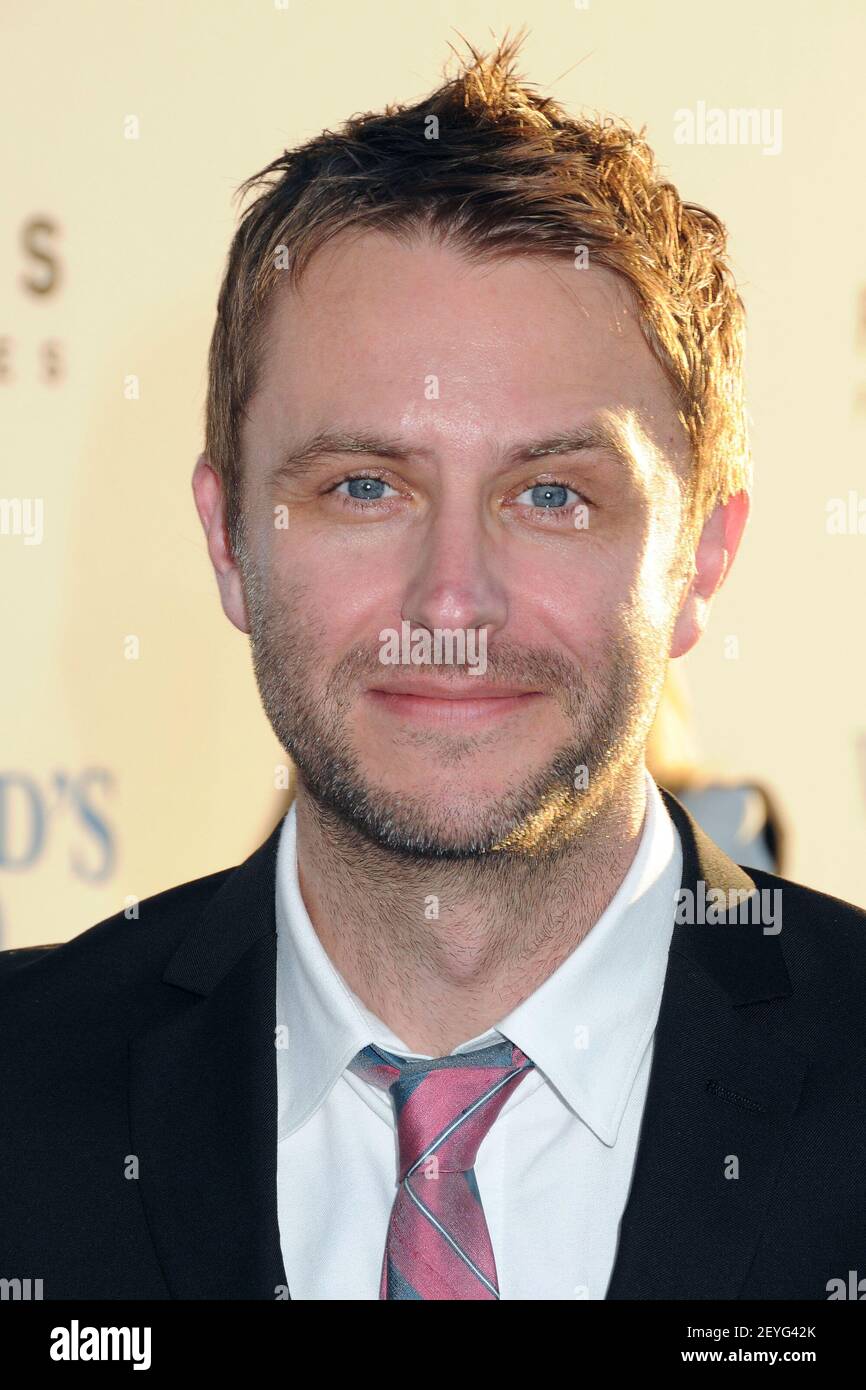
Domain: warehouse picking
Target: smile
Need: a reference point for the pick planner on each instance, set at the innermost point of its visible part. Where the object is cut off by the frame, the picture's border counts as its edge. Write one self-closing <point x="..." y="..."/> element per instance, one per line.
<point x="453" y="709"/>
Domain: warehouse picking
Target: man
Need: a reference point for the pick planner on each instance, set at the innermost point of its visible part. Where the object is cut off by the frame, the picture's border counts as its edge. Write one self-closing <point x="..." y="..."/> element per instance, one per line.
<point x="487" y="1016"/>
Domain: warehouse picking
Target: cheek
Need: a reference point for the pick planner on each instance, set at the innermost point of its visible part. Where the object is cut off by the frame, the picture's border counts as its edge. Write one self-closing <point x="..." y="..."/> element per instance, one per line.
<point x="581" y="599"/>
<point x="653" y="589"/>
<point x="342" y="594"/>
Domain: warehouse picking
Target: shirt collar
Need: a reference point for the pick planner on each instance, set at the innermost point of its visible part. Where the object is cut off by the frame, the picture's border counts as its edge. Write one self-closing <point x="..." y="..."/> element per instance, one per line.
<point x="586" y="1027"/>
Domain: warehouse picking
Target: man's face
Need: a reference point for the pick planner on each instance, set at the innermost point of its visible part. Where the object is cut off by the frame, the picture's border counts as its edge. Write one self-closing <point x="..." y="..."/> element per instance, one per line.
<point x="563" y="563"/>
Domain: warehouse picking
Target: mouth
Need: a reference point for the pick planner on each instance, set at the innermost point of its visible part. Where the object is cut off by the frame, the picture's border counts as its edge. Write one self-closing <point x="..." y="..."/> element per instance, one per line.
<point x="434" y="702"/>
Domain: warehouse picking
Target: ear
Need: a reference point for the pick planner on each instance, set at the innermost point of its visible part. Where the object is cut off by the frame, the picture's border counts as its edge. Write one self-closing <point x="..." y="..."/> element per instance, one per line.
<point x="719" y="542"/>
<point x="210" y="504"/>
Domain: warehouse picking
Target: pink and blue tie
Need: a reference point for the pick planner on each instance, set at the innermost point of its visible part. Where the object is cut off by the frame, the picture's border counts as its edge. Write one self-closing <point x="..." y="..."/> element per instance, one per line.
<point x="438" y="1245"/>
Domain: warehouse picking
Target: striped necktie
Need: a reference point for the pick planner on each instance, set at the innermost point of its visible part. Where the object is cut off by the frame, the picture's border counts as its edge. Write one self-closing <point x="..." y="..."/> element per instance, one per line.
<point x="438" y="1245"/>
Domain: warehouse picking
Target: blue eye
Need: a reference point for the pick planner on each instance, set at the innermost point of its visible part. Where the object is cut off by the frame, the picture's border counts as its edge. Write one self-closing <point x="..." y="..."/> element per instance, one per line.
<point x="548" y="496"/>
<point x="363" y="488"/>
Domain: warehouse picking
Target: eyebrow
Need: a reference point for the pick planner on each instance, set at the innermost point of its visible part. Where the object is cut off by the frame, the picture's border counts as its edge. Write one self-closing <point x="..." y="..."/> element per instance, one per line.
<point x="305" y="457"/>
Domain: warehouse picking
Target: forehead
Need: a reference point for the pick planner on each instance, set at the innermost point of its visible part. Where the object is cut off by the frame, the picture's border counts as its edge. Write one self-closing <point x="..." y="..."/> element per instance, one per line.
<point x="384" y="333"/>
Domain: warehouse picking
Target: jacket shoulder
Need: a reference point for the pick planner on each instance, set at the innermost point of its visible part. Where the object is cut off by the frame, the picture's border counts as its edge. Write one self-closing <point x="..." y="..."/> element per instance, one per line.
<point x="823" y="942"/>
<point x="810" y="909"/>
<point x="131" y="940"/>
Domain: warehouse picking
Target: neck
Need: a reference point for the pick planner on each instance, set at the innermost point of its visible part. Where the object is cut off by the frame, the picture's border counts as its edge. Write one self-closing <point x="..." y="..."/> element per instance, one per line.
<point x="440" y="950"/>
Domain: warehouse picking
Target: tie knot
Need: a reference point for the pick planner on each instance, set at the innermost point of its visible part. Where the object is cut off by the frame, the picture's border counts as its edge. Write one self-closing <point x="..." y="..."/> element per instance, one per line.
<point x="444" y="1105"/>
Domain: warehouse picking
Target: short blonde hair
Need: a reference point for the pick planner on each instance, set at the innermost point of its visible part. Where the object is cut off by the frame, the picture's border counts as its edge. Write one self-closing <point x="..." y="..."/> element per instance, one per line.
<point x="495" y="170"/>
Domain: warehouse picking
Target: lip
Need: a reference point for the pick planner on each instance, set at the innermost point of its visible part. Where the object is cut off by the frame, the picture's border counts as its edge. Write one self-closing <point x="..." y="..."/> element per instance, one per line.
<point x="471" y="689"/>
<point x="451" y="704"/>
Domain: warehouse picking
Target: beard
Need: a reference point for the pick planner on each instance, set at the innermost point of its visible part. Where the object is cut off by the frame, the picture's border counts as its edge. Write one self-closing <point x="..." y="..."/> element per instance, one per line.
<point x="609" y="713"/>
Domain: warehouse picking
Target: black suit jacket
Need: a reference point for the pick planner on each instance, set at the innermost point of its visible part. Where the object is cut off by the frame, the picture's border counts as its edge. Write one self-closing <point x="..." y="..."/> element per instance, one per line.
<point x="146" y="1048"/>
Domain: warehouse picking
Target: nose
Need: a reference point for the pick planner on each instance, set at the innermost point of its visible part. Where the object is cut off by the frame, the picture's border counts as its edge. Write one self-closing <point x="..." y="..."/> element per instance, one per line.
<point x="453" y="583"/>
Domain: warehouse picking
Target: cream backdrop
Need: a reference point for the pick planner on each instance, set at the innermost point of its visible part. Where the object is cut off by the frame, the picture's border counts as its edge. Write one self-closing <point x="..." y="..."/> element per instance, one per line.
<point x="121" y="777"/>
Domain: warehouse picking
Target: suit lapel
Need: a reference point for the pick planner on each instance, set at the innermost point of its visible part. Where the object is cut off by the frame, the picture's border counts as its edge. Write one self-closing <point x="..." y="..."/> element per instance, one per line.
<point x="722" y="1090"/>
<point x="203" y="1098"/>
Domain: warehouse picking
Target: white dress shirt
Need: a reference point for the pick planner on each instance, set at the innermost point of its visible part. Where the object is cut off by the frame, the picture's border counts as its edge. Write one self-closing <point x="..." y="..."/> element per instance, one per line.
<point x="555" y="1167"/>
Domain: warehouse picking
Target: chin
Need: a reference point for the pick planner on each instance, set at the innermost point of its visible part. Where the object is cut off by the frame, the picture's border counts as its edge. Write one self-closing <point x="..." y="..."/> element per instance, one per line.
<point x="427" y="793"/>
